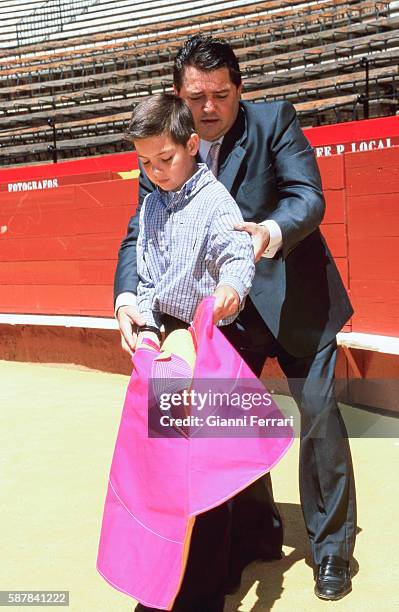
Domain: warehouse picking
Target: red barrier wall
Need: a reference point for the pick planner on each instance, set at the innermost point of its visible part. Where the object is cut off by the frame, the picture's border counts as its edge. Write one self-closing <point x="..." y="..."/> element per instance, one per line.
<point x="59" y="252"/>
<point x="334" y="226"/>
<point x="354" y="136"/>
<point x="361" y="226"/>
<point x="372" y="192"/>
<point x="119" y="162"/>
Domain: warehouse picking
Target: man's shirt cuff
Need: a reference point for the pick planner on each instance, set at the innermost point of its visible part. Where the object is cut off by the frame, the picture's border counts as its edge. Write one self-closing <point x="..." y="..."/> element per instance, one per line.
<point x="276" y="238"/>
<point x="125" y="299"/>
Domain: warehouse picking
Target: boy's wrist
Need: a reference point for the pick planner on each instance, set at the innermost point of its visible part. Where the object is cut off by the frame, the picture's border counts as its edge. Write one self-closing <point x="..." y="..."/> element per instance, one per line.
<point x="151" y="317"/>
<point x="145" y="335"/>
<point x="150" y="329"/>
<point x="235" y="284"/>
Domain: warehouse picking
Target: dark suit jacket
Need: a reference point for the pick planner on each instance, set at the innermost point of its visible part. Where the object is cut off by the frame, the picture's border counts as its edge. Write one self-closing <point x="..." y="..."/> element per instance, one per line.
<point x="270" y="169"/>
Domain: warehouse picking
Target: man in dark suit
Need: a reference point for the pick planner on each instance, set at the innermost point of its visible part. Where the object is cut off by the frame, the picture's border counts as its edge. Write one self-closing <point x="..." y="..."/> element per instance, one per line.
<point x="296" y="306"/>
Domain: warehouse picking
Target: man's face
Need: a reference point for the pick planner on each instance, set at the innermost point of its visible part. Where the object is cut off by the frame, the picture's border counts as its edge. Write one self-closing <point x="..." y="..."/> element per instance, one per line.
<point x="213" y="100"/>
<point x="166" y="163"/>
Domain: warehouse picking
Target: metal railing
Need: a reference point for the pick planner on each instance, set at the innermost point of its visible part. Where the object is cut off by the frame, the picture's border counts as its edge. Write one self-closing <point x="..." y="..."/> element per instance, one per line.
<point x="50" y="18"/>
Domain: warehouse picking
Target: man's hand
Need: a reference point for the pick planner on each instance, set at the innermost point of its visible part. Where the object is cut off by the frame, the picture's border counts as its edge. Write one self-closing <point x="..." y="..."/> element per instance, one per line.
<point x="128" y="317"/>
<point x="260" y="236"/>
<point x="227" y="302"/>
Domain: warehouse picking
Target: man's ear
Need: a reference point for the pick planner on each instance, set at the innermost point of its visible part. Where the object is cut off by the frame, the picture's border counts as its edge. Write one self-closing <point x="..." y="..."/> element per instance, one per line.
<point x="175" y="90"/>
<point x="239" y="90"/>
<point x="193" y="144"/>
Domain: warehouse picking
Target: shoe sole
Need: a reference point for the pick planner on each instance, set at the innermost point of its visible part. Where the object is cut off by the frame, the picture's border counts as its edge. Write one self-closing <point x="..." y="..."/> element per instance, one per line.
<point x="335" y="598"/>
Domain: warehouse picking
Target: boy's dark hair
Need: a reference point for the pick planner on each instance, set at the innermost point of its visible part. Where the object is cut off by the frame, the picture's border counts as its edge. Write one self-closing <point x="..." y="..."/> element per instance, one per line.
<point x="161" y="114"/>
<point x="205" y="53"/>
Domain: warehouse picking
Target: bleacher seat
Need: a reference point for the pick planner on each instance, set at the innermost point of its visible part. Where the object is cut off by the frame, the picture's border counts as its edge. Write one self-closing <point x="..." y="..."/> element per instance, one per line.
<point x="87" y="77"/>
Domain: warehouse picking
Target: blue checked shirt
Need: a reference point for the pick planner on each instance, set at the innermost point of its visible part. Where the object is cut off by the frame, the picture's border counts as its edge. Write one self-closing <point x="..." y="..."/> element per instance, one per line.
<point x="187" y="247"/>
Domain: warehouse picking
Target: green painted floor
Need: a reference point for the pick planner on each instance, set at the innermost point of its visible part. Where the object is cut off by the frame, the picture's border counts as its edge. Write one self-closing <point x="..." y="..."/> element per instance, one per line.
<point x="57" y="432"/>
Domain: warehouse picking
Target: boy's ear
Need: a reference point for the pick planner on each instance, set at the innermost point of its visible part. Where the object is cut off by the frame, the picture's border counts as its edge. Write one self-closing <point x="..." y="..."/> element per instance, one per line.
<point x="193" y="144"/>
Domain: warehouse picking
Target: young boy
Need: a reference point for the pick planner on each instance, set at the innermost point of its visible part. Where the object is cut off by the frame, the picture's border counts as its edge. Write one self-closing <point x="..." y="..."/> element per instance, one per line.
<point x="187" y="247"/>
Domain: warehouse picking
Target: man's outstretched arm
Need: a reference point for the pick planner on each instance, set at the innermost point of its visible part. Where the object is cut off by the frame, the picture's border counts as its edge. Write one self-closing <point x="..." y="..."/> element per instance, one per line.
<point x="126" y="277"/>
<point x="300" y="207"/>
<point x="301" y="204"/>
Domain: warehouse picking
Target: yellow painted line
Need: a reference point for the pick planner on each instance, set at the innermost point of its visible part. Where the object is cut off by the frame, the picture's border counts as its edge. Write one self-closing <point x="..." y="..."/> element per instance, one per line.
<point x="132" y="174"/>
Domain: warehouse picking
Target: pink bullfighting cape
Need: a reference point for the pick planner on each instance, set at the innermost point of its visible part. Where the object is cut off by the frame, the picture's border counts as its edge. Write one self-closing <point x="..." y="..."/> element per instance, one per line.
<point x="159" y="483"/>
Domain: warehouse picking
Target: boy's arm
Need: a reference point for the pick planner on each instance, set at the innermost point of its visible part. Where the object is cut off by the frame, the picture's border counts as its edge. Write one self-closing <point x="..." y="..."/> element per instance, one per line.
<point x="231" y="250"/>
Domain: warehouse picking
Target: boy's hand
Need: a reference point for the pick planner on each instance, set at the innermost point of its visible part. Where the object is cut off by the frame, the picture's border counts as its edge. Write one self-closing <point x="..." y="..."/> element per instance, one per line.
<point x="227" y="302"/>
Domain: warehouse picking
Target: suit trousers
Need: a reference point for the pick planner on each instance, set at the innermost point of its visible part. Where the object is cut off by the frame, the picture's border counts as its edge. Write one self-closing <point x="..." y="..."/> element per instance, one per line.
<point x="326" y="480"/>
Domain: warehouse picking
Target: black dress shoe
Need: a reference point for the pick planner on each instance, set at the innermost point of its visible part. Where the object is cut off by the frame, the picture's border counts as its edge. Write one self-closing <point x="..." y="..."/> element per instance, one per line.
<point x="333" y="580"/>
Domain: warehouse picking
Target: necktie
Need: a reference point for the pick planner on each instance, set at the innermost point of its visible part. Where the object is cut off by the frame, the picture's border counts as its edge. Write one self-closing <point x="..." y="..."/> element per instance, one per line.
<point x="213" y="157"/>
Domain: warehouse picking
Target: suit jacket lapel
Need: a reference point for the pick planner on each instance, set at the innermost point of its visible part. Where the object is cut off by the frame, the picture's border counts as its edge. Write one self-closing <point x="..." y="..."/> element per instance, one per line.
<point x="232" y="153"/>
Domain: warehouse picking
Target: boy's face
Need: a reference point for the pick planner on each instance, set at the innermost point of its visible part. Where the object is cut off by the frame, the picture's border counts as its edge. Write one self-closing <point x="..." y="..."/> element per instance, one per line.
<point x="166" y="163"/>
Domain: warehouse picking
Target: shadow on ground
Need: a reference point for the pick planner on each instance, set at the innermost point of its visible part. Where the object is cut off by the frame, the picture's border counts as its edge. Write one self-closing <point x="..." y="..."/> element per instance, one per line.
<point x="270" y="575"/>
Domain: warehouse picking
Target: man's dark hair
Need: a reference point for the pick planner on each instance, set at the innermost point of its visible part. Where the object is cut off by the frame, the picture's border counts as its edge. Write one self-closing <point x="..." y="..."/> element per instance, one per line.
<point x="161" y="114"/>
<point x="205" y="53"/>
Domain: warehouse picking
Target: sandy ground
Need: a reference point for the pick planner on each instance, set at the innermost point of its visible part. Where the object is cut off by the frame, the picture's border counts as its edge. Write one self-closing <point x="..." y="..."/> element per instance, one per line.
<point x="57" y="432"/>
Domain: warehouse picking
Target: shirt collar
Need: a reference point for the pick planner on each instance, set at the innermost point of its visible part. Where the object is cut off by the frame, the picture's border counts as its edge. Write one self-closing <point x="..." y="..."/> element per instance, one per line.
<point x="171" y="199"/>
